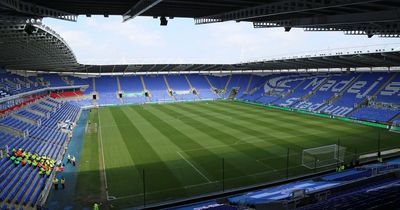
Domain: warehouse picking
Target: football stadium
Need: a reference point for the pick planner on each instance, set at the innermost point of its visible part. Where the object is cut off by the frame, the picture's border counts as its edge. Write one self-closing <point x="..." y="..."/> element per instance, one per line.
<point x="316" y="130"/>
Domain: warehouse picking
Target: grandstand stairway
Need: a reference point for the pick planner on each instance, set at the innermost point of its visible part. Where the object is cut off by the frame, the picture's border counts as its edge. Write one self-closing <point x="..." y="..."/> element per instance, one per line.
<point x="20" y="81"/>
<point x="27" y="80"/>
<point x="227" y="83"/>
<point x="119" y="85"/>
<point x="10" y="83"/>
<point x="248" y="84"/>
<point x="46" y="107"/>
<point x="312" y="93"/>
<point x="25" y="119"/>
<point x="53" y="104"/>
<point x="67" y="81"/>
<point x="384" y="85"/>
<point x="192" y="89"/>
<point x="233" y="93"/>
<point x="340" y="94"/>
<point x="395" y="117"/>
<point x="209" y="82"/>
<point x="292" y="90"/>
<point x="169" y="90"/>
<point x="12" y="131"/>
<point x="366" y="100"/>
<point x="148" y="97"/>
<point x="119" y="91"/>
<point x="94" y="84"/>
<point x="37" y="112"/>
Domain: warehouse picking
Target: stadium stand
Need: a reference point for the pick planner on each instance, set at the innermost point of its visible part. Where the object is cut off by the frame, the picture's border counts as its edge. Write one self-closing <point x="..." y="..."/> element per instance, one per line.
<point x="157" y="88"/>
<point x="330" y="89"/>
<point x="374" y="186"/>
<point x="132" y="89"/>
<point x="391" y="92"/>
<point x="310" y="84"/>
<point x="202" y="87"/>
<point x="180" y="88"/>
<point x="366" y="85"/>
<point x="365" y="96"/>
<point x="54" y="80"/>
<point x="108" y="88"/>
<point x="374" y="114"/>
<point x="237" y="86"/>
<point x="349" y="184"/>
<point x="255" y="90"/>
<point x="23" y="183"/>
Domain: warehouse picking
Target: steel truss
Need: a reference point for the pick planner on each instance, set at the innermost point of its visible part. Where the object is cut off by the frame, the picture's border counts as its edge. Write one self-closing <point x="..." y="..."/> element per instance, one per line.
<point x="42" y="50"/>
<point x="280" y="8"/>
<point x="30" y="9"/>
<point x="139" y="8"/>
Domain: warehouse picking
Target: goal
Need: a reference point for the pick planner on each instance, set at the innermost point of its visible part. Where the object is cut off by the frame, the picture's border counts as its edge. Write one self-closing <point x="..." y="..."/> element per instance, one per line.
<point x="91" y="128"/>
<point x="319" y="157"/>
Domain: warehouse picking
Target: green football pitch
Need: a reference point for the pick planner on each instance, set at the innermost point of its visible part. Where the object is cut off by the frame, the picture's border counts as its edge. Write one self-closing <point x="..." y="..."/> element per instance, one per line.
<point x="182" y="150"/>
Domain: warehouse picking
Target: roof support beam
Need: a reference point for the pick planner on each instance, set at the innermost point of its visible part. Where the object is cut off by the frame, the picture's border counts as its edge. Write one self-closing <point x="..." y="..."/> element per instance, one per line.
<point x="279" y="8"/>
<point x="36" y="10"/>
<point x="139" y="8"/>
<point x="334" y="20"/>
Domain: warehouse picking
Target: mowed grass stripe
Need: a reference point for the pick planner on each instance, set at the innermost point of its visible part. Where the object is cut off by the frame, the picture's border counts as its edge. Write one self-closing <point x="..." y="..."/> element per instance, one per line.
<point x="305" y="136"/>
<point x="139" y="150"/>
<point x="208" y="162"/>
<point x="88" y="182"/>
<point x="253" y="156"/>
<point x="295" y="119"/>
<point x="233" y="124"/>
<point x="265" y="126"/>
<point x="277" y="160"/>
<point x="162" y="138"/>
<point x="248" y="152"/>
<point x="237" y="156"/>
<point x="117" y="160"/>
<point x="349" y="134"/>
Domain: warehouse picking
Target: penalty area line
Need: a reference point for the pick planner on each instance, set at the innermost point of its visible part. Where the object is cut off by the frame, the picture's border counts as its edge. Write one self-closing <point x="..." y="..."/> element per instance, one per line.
<point x="198" y="171"/>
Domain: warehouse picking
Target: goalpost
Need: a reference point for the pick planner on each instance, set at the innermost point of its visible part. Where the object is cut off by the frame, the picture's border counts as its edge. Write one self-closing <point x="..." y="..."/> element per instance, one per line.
<point x="319" y="157"/>
<point x="91" y="128"/>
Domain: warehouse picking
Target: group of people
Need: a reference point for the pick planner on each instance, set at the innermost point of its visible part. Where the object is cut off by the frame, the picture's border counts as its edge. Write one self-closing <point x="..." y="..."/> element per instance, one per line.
<point x="56" y="181"/>
<point x="60" y="168"/>
<point x="44" y="164"/>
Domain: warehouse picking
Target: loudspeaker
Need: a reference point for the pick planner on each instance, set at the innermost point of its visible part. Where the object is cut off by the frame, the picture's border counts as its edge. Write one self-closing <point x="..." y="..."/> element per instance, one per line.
<point x="163" y="21"/>
<point x="29" y="29"/>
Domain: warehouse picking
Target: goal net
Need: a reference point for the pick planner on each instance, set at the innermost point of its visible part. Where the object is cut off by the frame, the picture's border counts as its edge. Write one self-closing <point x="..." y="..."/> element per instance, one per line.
<point x="319" y="157"/>
<point x="91" y="128"/>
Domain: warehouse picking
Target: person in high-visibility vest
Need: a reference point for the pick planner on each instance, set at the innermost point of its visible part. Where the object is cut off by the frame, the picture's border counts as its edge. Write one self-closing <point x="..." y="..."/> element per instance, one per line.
<point x="96" y="206"/>
<point x="55" y="182"/>
<point x="63" y="182"/>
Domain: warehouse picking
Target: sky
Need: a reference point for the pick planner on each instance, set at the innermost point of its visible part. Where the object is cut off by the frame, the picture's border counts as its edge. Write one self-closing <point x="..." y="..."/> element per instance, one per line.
<point x="100" y="40"/>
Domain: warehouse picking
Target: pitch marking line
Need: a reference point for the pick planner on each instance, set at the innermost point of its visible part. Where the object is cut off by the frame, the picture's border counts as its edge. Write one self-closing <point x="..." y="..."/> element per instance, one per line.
<point x="102" y="155"/>
<point x="239" y="142"/>
<point x="198" y="171"/>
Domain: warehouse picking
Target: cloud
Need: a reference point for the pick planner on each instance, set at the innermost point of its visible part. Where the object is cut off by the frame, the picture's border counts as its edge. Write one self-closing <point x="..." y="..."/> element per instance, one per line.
<point x="141" y="40"/>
